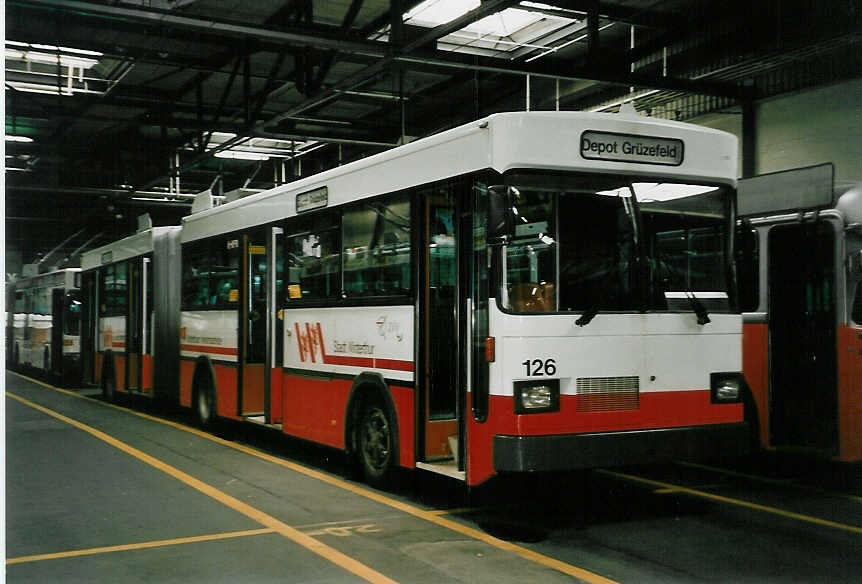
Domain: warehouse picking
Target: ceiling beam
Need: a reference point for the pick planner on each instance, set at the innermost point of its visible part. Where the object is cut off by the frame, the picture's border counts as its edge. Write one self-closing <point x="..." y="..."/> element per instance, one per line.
<point x="321" y="39"/>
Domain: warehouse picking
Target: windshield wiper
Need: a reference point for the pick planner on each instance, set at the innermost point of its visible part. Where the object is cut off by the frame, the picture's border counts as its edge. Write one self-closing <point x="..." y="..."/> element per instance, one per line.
<point x="696" y="305"/>
<point x="589" y="315"/>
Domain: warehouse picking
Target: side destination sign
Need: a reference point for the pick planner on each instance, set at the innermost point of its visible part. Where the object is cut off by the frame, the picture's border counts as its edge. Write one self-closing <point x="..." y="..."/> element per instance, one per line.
<point x="630" y="148"/>
<point x="312" y="199"/>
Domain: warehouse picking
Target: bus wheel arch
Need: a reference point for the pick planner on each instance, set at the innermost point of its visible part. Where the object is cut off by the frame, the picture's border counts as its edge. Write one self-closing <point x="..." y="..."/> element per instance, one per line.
<point x="371" y="428"/>
<point x="204" y="403"/>
<point x="109" y="378"/>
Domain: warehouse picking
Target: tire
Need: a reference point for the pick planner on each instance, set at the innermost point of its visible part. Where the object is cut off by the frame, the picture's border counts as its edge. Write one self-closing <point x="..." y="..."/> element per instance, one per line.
<point x="109" y="382"/>
<point x="375" y="444"/>
<point x="204" y="404"/>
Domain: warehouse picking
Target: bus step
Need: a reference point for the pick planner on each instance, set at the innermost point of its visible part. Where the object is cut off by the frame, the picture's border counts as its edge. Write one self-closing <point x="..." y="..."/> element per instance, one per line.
<point x="447" y="467"/>
<point x="260" y="420"/>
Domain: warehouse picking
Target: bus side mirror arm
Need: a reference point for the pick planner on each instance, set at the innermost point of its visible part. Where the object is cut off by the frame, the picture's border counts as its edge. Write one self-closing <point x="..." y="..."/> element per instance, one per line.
<point x="501" y="215"/>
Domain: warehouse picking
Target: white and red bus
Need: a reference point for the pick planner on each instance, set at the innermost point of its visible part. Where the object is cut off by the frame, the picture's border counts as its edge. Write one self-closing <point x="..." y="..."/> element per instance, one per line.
<point x="800" y="270"/>
<point x="131" y="323"/>
<point x="43" y="325"/>
<point x="527" y="292"/>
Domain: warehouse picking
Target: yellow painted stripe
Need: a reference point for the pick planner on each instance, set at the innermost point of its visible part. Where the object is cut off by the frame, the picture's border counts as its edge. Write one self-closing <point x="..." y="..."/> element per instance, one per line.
<point x="319" y="548"/>
<point x="430" y="516"/>
<point x="737" y="502"/>
<point x="785" y="483"/>
<point x="138" y="546"/>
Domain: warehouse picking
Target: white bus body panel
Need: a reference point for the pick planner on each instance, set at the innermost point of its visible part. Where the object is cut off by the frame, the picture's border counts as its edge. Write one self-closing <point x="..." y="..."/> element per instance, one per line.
<point x="351" y="340"/>
<point x="667" y="352"/>
<point x="133" y="246"/>
<point x="209" y="332"/>
<point x="500" y="142"/>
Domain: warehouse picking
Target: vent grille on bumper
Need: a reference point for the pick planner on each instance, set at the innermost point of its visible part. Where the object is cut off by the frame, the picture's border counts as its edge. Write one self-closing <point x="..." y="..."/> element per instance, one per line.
<point x="608" y="394"/>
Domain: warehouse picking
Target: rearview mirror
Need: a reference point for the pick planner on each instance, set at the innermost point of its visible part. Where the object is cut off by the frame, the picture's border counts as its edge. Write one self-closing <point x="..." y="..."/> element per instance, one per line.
<point x="501" y="219"/>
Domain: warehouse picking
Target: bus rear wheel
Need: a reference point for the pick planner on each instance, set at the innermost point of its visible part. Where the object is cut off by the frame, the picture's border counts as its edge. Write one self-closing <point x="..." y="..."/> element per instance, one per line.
<point x="109" y="389"/>
<point x="204" y="402"/>
<point x="375" y="441"/>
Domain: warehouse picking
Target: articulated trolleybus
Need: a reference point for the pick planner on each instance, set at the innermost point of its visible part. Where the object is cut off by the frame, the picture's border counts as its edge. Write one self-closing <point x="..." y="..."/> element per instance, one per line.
<point x="800" y="260"/>
<point x="131" y="326"/>
<point x="528" y="292"/>
<point x="43" y="329"/>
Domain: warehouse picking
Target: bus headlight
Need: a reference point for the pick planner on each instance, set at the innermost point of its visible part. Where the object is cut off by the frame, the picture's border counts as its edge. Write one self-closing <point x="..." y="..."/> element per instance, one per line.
<point x="537" y="396"/>
<point x="726" y="387"/>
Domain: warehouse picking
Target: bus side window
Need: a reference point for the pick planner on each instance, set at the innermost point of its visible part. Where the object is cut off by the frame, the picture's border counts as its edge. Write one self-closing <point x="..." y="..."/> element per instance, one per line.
<point x="195" y="280"/>
<point x="747" y="268"/>
<point x="314" y="258"/>
<point x="376" y="248"/>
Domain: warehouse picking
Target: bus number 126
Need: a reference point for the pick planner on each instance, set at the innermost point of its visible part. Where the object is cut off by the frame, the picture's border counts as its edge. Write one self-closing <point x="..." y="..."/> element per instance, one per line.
<point x="538" y="368"/>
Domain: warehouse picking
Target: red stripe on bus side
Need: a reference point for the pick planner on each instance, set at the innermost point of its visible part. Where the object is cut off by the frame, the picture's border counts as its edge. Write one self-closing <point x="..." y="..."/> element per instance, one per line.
<point x="207" y="349"/>
<point x="371" y="362"/>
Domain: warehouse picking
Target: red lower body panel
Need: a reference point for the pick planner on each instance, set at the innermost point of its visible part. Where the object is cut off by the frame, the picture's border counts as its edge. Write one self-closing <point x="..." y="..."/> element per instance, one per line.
<point x="656" y="410"/>
<point x="315" y="409"/>
<point x="850" y="393"/>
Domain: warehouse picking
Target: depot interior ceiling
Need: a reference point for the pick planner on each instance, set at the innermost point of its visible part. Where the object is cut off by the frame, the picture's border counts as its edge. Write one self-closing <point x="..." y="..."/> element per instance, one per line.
<point x="125" y="106"/>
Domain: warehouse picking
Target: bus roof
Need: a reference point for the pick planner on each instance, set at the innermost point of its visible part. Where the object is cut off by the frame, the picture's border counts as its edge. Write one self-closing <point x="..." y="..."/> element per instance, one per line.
<point x="505" y="141"/>
<point x="129" y="247"/>
<point x="54" y="279"/>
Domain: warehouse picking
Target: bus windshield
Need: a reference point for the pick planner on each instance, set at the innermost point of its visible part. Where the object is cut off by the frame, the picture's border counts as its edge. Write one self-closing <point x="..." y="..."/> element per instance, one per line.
<point x="580" y="239"/>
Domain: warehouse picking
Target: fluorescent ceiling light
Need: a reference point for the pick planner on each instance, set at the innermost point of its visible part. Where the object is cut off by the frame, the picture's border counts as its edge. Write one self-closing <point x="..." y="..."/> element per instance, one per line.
<point x="31" y="56"/>
<point x="224" y="135"/>
<point x="239" y="155"/>
<point x="18" y="138"/>
<point x="434" y="12"/>
<point x="487" y="32"/>
<point x="627" y="99"/>
<point x="507" y="22"/>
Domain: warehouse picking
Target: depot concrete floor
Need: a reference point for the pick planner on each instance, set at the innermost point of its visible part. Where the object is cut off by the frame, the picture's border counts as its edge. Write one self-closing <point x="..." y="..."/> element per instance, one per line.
<point x="101" y="493"/>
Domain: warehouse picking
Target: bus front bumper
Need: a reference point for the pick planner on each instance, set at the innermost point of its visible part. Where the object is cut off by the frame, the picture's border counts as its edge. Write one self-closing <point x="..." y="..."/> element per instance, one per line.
<point x="604" y="449"/>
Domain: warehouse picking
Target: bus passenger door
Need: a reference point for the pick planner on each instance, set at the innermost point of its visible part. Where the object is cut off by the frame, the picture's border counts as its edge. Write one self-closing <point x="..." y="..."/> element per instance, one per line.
<point x="803" y="408"/>
<point x="135" y="326"/>
<point x="88" y="326"/>
<point x="55" y="367"/>
<point x="253" y="326"/>
<point x="440" y="376"/>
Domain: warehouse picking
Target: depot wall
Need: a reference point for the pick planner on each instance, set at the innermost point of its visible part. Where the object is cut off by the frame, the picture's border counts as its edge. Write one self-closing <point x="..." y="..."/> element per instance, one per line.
<point x="805" y="128"/>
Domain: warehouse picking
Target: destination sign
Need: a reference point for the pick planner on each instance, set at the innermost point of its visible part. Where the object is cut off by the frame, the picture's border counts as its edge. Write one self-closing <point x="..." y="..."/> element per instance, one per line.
<point x="312" y="199"/>
<point x="107" y="257"/>
<point x="629" y="148"/>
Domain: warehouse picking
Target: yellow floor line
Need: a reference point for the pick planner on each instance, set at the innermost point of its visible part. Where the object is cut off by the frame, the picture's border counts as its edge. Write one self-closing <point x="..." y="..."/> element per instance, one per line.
<point x="786" y="483"/>
<point x="430" y="516"/>
<point x="319" y="548"/>
<point x="737" y="502"/>
<point x="138" y="546"/>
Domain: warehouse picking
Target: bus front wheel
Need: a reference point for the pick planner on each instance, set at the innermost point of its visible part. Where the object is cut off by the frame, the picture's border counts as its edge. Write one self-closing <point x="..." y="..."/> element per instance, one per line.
<point x="375" y="441"/>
